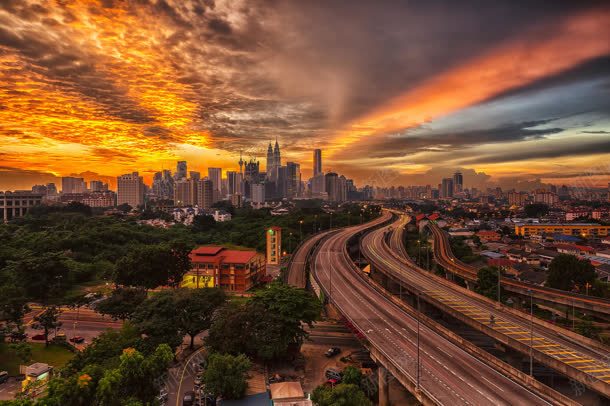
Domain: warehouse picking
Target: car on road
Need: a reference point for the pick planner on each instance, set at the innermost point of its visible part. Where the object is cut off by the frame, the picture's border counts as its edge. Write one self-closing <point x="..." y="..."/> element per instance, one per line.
<point x="332" y="352"/>
<point x="77" y="340"/>
<point x="188" y="399"/>
<point x="3" y="376"/>
<point x="38" y="337"/>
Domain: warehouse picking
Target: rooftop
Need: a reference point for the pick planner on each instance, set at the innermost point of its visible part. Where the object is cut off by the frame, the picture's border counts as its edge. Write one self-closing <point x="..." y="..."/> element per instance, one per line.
<point x="216" y="254"/>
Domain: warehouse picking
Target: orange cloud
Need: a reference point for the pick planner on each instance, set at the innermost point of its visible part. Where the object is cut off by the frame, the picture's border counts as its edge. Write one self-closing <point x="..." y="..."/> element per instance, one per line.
<point x="515" y="64"/>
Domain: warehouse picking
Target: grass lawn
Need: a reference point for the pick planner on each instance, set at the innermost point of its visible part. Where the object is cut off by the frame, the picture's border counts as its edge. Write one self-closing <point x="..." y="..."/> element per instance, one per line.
<point x="54" y="355"/>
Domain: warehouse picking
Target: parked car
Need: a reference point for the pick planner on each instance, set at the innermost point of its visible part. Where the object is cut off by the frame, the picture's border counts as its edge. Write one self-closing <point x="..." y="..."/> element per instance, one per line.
<point x="332" y="373"/>
<point x="77" y="340"/>
<point x="18" y="336"/>
<point x="188" y="399"/>
<point x="3" y="376"/>
<point x="38" y="337"/>
<point x="332" y="352"/>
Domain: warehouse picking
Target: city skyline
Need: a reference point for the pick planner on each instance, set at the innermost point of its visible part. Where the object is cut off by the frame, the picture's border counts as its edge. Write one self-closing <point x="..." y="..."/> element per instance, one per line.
<point x="111" y="87"/>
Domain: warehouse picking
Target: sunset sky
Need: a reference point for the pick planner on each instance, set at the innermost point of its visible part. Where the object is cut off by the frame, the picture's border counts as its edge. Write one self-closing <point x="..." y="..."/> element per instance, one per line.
<point x="394" y="92"/>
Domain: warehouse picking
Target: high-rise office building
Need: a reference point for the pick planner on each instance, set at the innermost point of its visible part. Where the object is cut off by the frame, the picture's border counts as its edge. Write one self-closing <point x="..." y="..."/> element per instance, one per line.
<point x="98" y="186"/>
<point x="318" y="186"/>
<point x="181" y="170"/>
<point x="194" y="175"/>
<point x="258" y="193"/>
<point x="163" y="185"/>
<point x="293" y="181"/>
<point x="332" y="186"/>
<point x="205" y="193"/>
<point x="447" y="188"/>
<point x="274" y="161"/>
<point x="458" y="182"/>
<point x="130" y="189"/>
<point x="317" y="161"/>
<point x="215" y="175"/>
<point x="70" y="184"/>
<point x="281" y="183"/>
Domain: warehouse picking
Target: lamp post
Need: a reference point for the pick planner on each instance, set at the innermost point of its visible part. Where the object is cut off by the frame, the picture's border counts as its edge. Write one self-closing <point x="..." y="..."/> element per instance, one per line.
<point x="587" y="286"/>
<point x="315" y="220"/>
<point x="290" y="243"/>
<point x="300" y="230"/>
<point x="418" y="357"/>
<point x="529" y="291"/>
<point x="418" y="251"/>
<point x="331" y="220"/>
<point x="349" y="215"/>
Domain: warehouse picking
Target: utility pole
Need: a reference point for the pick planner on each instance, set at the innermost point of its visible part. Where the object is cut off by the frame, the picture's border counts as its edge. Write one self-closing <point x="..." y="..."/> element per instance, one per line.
<point x="290" y="243"/>
<point x="331" y="220"/>
<point x="300" y="231"/>
<point x="531" y="333"/>
<point x="499" y="275"/>
<point x="418" y="358"/>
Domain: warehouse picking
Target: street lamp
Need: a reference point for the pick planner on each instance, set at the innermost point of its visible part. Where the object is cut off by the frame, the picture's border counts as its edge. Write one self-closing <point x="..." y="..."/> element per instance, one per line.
<point x="315" y="220"/>
<point x="290" y="243"/>
<point x="418" y="357"/>
<point x="529" y="291"/>
<point x="300" y="230"/>
<point x="331" y="220"/>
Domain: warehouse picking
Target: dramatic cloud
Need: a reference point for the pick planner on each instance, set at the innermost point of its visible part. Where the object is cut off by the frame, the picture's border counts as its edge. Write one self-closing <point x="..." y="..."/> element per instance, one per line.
<point x="127" y="85"/>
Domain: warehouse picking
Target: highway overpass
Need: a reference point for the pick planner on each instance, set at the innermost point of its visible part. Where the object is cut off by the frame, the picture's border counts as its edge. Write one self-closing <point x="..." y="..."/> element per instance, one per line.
<point x="577" y="357"/>
<point x="448" y="374"/>
<point x="444" y="257"/>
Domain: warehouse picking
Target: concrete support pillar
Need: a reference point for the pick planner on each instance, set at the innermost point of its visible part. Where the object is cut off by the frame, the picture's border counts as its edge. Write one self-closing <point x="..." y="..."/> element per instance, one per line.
<point x="384" y="390"/>
<point x="469" y="285"/>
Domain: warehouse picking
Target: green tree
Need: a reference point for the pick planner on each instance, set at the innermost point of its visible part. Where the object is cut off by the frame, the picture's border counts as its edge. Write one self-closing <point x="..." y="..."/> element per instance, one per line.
<point x="536" y="210"/>
<point x="47" y="321"/>
<point x="487" y="282"/>
<point x="202" y="223"/>
<point x="340" y="395"/>
<point x="567" y="272"/>
<point x="352" y="376"/>
<point x="153" y="266"/>
<point x="294" y="307"/>
<point x="13" y="306"/>
<point x="226" y="375"/>
<point x="121" y="304"/>
<point x="196" y="309"/>
<point x="158" y="319"/>
<point x="40" y="276"/>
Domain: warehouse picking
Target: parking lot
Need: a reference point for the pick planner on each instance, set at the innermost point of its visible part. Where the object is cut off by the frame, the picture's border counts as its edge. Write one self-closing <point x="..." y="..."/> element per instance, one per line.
<point x="9" y="389"/>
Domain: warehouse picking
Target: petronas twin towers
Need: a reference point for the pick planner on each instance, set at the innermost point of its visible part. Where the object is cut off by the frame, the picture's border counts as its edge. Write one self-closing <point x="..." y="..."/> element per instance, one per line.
<point x="274" y="161"/>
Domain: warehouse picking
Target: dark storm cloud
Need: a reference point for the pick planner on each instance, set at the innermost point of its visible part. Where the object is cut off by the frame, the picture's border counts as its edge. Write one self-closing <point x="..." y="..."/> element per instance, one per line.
<point x="544" y="151"/>
<point x="404" y="145"/>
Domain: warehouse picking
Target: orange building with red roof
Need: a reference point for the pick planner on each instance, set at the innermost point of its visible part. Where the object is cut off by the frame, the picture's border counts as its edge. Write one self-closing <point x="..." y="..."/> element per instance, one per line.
<point x="231" y="270"/>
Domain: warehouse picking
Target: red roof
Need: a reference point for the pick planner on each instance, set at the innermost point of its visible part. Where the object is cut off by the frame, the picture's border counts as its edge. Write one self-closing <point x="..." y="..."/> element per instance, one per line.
<point x="487" y="232"/>
<point x="215" y="254"/>
<point x="207" y="250"/>
<point x="434" y="216"/>
<point x="420" y="217"/>
<point x="575" y="247"/>
<point x="499" y="262"/>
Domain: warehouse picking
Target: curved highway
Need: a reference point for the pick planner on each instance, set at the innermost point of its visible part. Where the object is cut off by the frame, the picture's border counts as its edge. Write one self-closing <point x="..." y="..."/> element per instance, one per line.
<point x="554" y="348"/>
<point x="296" y="272"/>
<point x="444" y="256"/>
<point x="449" y="375"/>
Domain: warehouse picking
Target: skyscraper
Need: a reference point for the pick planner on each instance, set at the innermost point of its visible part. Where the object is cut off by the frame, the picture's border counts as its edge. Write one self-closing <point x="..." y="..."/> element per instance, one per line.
<point x="71" y="184"/>
<point x="274" y="161"/>
<point x="332" y="186"/>
<point x="130" y="189"/>
<point x="258" y="193"/>
<point x="447" y="188"/>
<point x="194" y="175"/>
<point x="215" y="175"/>
<point x="180" y="170"/>
<point x="293" y="181"/>
<point x="205" y="194"/>
<point x="317" y="161"/>
<point x="458" y="182"/>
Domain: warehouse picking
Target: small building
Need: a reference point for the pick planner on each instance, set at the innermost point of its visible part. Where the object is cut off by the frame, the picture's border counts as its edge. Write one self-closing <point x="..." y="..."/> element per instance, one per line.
<point x="486" y="236"/>
<point x="17" y="203"/>
<point x="288" y="394"/>
<point x="231" y="270"/>
<point x="36" y="377"/>
<point x="274" y="245"/>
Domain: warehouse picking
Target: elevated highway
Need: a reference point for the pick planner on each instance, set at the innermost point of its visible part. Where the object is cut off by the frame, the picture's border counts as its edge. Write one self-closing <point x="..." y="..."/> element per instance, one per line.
<point x="577" y="357"/>
<point x="296" y="271"/>
<point x="444" y="257"/>
<point x="448" y="375"/>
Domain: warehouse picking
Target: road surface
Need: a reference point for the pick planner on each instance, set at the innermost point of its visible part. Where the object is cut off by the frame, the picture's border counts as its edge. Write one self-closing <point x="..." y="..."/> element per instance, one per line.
<point x="449" y="375"/>
<point x="591" y="361"/>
